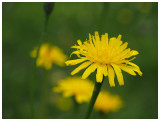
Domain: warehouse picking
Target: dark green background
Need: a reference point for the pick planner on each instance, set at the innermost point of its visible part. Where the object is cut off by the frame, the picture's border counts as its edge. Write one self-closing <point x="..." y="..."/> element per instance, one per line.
<point x="22" y="24"/>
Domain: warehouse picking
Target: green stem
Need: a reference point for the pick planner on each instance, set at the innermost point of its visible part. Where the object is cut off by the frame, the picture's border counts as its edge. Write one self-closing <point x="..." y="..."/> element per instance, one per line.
<point x="76" y="107"/>
<point x="32" y="94"/>
<point x="96" y="91"/>
<point x="42" y="112"/>
<point x="34" y="68"/>
<point x="42" y="36"/>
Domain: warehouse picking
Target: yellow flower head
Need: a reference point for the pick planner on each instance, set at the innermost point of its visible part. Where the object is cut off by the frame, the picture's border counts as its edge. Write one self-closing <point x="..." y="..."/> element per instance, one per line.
<point x="75" y="86"/>
<point x="108" y="56"/>
<point x="107" y="102"/>
<point x="48" y="55"/>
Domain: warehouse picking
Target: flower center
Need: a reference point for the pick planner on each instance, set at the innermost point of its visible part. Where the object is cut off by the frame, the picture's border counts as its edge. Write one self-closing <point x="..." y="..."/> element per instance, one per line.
<point x="100" y="56"/>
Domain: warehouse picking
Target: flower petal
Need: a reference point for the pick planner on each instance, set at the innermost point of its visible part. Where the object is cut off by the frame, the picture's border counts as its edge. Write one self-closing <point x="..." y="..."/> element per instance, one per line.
<point x="119" y="74"/>
<point x="112" y="42"/>
<point x="122" y="47"/>
<point x="97" y="37"/>
<point x="99" y="75"/>
<point x="82" y="66"/>
<point x="106" y="39"/>
<point x="132" y="64"/>
<point x="47" y="66"/>
<point x="67" y="94"/>
<point x="75" y="46"/>
<point x="79" y="42"/>
<point x="125" y="53"/>
<point x="89" y="70"/>
<point x="138" y="71"/>
<point x="134" y="52"/>
<point x="128" y="69"/>
<point x="119" y="37"/>
<point x="90" y="41"/>
<point x="82" y="98"/>
<point x="74" y="62"/>
<point x="111" y="76"/>
<point x="135" y="68"/>
<point x="33" y="53"/>
<point x="105" y="71"/>
<point x="76" y="53"/>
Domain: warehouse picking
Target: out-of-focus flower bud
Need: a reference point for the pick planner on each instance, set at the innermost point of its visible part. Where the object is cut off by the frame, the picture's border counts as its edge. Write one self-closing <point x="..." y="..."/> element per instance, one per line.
<point x="48" y="7"/>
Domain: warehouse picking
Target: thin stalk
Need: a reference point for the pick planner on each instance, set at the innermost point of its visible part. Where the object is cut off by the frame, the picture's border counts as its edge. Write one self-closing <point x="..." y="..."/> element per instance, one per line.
<point x="42" y="36"/>
<point x="34" y="69"/>
<point x="32" y="94"/>
<point x="45" y="96"/>
<point x="96" y="91"/>
<point x="48" y="7"/>
<point x="76" y="107"/>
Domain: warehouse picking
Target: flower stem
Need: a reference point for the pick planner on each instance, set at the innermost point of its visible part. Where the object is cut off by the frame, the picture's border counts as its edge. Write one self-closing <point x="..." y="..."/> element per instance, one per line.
<point x="96" y="91"/>
<point x="34" y="68"/>
<point x="76" y="107"/>
<point x="32" y="94"/>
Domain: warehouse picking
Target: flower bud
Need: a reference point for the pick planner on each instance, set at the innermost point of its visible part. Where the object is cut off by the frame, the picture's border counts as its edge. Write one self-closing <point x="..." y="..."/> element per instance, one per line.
<point x="48" y="7"/>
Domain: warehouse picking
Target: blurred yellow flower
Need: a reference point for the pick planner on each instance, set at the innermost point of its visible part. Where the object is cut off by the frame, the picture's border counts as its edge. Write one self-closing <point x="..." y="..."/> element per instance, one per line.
<point x="107" y="102"/>
<point x="108" y="56"/>
<point x="144" y="7"/>
<point x="48" y="55"/>
<point x="75" y="86"/>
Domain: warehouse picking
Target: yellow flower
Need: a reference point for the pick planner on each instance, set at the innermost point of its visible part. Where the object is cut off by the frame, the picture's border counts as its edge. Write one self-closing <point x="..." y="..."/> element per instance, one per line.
<point x="48" y="55"/>
<point x="107" y="103"/>
<point x="108" y="56"/>
<point x="75" y="86"/>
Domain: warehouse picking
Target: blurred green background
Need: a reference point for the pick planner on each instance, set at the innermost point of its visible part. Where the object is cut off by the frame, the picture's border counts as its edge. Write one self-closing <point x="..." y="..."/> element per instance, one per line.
<point x="22" y="26"/>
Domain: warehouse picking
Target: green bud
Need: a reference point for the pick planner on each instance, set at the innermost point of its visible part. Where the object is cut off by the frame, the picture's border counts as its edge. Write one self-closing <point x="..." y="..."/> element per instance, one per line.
<point x="48" y="7"/>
